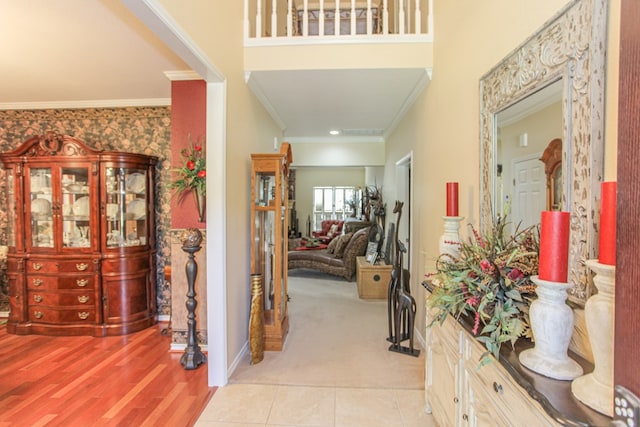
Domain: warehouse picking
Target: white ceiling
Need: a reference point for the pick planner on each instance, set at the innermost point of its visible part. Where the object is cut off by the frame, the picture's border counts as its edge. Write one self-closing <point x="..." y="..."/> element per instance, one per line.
<point x="75" y="53"/>
<point x="363" y="104"/>
<point x="79" y="50"/>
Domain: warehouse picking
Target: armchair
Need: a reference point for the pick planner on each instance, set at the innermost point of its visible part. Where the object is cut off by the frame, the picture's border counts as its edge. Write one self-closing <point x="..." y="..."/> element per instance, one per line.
<point x="329" y="229"/>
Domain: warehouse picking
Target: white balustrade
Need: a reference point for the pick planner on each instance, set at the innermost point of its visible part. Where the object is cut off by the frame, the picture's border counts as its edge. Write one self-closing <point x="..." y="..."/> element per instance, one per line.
<point x="318" y="19"/>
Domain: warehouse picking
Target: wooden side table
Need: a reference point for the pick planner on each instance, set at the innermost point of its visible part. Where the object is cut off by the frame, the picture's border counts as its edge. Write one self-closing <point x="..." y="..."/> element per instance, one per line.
<point x="373" y="280"/>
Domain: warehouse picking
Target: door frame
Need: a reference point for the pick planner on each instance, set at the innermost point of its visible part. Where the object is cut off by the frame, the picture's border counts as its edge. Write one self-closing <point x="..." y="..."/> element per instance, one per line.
<point x="404" y="192"/>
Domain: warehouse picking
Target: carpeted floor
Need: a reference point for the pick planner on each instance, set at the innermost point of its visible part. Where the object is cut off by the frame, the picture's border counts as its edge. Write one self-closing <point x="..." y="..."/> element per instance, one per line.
<point x="335" y="339"/>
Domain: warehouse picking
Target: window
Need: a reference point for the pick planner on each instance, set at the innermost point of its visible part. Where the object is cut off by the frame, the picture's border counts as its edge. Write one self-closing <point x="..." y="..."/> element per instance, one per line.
<point x="332" y="203"/>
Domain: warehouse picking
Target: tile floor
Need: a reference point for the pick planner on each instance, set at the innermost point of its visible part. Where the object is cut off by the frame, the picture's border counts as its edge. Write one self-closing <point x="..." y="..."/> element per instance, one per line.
<point x="244" y="405"/>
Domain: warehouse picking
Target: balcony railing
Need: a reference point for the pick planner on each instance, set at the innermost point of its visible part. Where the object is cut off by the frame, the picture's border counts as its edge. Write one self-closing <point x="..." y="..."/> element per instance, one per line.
<point x="321" y="21"/>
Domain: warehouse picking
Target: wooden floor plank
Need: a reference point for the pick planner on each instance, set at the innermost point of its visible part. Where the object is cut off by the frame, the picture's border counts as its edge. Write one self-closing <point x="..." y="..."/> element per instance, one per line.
<point x="111" y="381"/>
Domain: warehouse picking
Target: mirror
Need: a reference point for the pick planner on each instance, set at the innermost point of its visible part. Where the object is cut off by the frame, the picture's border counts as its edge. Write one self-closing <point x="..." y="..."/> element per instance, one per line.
<point x="523" y="134"/>
<point x="566" y="54"/>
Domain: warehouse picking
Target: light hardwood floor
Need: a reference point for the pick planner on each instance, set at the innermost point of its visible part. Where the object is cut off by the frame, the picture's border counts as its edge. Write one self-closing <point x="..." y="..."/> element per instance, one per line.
<point x="130" y="380"/>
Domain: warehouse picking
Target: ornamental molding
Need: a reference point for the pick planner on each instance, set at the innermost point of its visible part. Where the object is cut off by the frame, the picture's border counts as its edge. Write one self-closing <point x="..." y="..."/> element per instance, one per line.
<point x="569" y="47"/>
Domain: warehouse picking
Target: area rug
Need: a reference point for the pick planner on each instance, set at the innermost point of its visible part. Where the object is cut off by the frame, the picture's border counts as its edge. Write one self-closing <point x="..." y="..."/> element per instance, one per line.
<point x="335" y="339"/>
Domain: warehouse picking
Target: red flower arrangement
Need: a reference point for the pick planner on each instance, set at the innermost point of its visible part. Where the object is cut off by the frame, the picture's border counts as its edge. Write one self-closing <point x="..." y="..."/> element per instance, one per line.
<point x="490" y="282"/>
<point x="192" y="176"/>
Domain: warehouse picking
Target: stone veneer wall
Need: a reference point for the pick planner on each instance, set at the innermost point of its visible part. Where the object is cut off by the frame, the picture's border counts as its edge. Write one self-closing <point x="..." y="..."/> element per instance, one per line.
<point x="144" y="130"/>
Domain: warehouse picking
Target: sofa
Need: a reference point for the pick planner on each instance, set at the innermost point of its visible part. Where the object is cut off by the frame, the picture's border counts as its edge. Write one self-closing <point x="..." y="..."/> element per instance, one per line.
<point x="338" y="259"/>
<point x="329" y="230"/>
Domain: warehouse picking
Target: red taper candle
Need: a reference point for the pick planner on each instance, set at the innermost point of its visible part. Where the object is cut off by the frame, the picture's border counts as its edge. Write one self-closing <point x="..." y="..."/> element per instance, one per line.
<point x="554" y="246"/>
<point x="607" y="247"/>
<point x="452" y="199"/>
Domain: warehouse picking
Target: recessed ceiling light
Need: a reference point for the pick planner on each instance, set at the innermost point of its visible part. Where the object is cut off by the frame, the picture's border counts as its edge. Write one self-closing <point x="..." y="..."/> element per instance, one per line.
<point x="334" y="132"/>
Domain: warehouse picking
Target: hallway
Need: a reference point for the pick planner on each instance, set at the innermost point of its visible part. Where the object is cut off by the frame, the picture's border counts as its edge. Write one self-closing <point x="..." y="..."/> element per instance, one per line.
<point x="335" y="369"/>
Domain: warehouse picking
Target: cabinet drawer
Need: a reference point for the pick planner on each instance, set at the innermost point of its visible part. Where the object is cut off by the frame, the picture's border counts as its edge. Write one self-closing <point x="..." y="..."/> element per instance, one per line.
<point x="62" y="299"/>
<point x="49" y="266"/>
<point x="125" y="265"/>
<point x="54" y="315"/>
<point x="501" y="390"/>
<point x="52" y="283"/>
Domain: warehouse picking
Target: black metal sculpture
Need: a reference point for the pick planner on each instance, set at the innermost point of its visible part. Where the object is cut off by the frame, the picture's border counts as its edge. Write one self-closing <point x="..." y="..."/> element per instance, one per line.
<point x="392" y="295"/>
<point x="193" y="356"/>
<point x="401" y="306"/>
<point x="405" y="311"/>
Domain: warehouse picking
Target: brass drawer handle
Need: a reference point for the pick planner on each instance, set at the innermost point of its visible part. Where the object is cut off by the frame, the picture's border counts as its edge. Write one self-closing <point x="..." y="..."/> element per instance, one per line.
<point x="37" y="282"/>
<point x="38" y="314"/>
<point x="83" y="315"/>
<point x="82" y="267"/>
<point x="83" y="299"/>
<point x="37" y="298"/>
<point x="37" y="266"/>
<point x="82" y="282"/>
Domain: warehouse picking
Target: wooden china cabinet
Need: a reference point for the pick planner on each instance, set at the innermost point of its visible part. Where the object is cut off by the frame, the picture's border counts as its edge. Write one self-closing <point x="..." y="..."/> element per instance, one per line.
<point x="269" y="238"/>
<point x="81" y="239"/>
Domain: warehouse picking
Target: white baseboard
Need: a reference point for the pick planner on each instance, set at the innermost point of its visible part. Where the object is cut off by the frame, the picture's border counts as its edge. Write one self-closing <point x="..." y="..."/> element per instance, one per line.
<point x="175" y="347"/>
<point x="238" y="359"/>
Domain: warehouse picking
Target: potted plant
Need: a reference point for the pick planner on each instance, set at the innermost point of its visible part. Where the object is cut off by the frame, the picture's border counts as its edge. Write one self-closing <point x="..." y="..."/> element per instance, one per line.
<point x="489" y="282"/>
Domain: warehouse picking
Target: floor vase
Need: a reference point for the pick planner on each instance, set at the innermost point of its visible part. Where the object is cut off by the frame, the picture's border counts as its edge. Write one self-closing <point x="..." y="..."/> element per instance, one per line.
<point x="256" y="320"/>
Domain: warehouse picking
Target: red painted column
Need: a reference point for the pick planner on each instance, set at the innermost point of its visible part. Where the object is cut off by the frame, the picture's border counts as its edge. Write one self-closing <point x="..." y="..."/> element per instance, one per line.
<point x="188" y="119"/>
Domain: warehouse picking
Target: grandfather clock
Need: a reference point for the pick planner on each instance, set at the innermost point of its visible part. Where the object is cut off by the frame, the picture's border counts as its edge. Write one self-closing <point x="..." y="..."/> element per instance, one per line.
<point x="269" y="228"/>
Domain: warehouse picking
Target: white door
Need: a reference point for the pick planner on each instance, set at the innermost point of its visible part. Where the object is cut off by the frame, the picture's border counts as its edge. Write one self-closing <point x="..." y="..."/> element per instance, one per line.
<point x="529" y="193"/>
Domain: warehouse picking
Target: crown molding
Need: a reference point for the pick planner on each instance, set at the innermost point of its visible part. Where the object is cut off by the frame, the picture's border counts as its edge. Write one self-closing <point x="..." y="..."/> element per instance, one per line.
<point x="98" y="103"/>
<point x="156" y="17"/>
<point x="264" y="100"/>
<point x="182" y="75"/>
<point x="411" y="99"/>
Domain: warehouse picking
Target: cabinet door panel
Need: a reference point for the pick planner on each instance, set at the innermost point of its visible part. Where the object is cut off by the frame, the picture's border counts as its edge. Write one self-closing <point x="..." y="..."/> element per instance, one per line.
<point x="499" y="389"/>
<point x="126" y="300"/>
<point x="445" y="364"/>
<point x="480" y="409"/>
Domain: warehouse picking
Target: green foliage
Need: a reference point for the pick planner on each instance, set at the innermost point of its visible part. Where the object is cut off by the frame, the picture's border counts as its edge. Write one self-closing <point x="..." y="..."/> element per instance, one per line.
<point x="490" y="282"/>
<point x="192" y="175"/>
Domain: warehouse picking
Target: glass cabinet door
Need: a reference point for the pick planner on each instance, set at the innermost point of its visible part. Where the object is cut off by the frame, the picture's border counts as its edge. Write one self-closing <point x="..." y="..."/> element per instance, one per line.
<point x="76" y="207"/>
<point x="11" y="209"/>
<point x="126" y="207"/>
<point x="40" y="206"/>
<point x="265" y="189"/>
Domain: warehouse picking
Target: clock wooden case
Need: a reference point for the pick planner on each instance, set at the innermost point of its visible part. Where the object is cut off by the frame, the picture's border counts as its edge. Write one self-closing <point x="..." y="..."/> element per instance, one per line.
<point x="269" y="239"/>
<point x="81" y="239"/>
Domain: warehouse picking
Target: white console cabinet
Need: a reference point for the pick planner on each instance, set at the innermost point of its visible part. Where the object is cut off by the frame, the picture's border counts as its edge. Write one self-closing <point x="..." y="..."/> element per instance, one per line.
<point x="460" y="393"/>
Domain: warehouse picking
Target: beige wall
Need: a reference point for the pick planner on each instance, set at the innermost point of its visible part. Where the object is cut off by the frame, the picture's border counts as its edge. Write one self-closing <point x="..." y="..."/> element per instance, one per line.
<point x="216" y="27"/>
<point x="338" y="154"/>
<point x="442" y="128"/>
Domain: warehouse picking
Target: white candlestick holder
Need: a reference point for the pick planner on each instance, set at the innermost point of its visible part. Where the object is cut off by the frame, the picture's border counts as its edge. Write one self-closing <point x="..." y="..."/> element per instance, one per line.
<point x="596" y="388"/>
<point x="552" y="325"/>
<point x="450" y="240"/>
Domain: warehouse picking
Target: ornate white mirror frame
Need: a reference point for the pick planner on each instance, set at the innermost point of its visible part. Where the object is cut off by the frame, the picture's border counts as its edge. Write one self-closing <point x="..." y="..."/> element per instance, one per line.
<point x="571" y="47"/>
